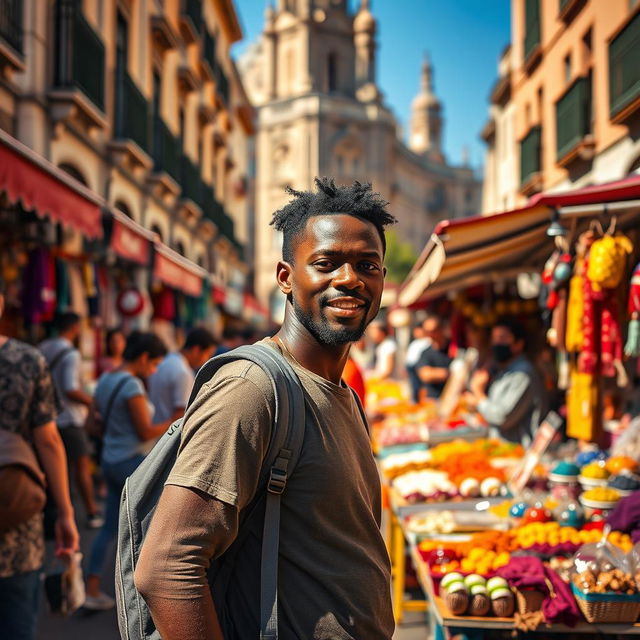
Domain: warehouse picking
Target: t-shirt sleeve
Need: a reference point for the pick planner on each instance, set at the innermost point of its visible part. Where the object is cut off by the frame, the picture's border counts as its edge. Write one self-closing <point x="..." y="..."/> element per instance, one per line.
<point x="43" y="405"/>
<point x="132" y="387"/>
<point x="226" y="435"/>
<point x="70" y="366"/>
<point x="181" y="389"/>
<point x="433" y="358"/>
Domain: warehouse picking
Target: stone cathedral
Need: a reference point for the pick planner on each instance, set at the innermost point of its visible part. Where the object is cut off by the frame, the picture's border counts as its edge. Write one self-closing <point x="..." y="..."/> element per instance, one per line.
<point x="312" y="78"/>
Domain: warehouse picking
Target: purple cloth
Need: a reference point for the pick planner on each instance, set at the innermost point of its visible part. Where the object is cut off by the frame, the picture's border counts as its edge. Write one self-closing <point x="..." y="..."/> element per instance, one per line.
<point x="626" y="516"/>
<point x="530" y="573"/>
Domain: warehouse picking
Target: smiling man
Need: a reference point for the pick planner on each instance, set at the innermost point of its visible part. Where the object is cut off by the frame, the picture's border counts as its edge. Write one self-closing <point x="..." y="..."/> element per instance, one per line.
<point x="333" y="567"/>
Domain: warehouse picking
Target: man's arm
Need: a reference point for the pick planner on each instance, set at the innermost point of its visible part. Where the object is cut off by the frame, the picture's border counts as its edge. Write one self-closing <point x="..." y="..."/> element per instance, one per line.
<point x="48" y="444"/>
<point x="188" y="529"/>
<point x="433" y="374"/>
<point x="508" y="400"/>
<point x="77" y="395"/>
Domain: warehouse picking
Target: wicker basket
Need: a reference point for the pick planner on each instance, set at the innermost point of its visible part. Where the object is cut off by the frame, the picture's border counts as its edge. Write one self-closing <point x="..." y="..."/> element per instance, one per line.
<point x="529" y="600"/>
<point x="607" y="607"/>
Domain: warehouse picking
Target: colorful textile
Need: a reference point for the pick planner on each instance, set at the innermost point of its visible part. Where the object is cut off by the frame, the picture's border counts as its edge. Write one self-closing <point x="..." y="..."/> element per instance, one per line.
<point x="559" y="604"/>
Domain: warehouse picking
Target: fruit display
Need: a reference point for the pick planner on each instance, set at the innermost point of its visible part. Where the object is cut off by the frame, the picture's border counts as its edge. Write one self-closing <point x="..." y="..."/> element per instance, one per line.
<point x="474" y="596"/>
<point x="452" y="470"/>
<point x="617" y="464"/>
<point x="600" y="498"/>
<point x="594" y="474"/>
<point x="487" y="551"/>
<point x="611" y="581"/>
<point x="426" y="485"/>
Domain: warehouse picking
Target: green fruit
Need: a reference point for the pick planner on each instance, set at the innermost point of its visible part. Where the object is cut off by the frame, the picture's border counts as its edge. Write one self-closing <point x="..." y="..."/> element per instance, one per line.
<point x="500" y="592"/>
<point x="474" y="579"/>
<point x="449" y="578"/>
<point x="457" y="586"/>
<point x="496" y="583"/>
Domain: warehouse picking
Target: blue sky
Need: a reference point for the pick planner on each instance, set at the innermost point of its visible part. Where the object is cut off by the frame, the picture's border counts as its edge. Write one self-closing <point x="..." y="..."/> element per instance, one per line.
<point x="464" y="39"/>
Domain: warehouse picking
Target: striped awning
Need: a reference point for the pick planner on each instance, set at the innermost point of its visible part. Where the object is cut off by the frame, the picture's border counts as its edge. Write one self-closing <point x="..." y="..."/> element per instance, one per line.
<point x="462" y="253"/>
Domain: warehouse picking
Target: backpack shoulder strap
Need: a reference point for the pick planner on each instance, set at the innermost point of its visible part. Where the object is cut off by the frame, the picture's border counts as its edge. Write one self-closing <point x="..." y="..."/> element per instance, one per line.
<point x="59" y="357"/>
<point x="282" y="456"/>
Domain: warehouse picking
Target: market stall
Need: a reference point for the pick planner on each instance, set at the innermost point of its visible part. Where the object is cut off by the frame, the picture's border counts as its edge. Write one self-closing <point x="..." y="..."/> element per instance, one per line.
<point x="471" y="511"/>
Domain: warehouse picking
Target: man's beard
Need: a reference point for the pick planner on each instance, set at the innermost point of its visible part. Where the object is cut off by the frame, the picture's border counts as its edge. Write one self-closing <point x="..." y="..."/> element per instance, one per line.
<point x="323" y="332"/>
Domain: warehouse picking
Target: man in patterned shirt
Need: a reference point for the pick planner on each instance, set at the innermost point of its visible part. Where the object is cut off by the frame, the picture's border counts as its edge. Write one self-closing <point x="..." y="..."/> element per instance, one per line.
<point x="27" y="407"/>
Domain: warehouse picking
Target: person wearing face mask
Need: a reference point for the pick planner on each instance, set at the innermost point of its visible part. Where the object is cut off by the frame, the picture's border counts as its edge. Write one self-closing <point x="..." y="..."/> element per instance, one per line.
<point x="512" y="400"/>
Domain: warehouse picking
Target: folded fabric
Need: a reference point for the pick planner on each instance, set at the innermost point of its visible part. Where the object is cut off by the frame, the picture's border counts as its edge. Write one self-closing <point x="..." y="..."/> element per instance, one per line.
<point x="559" y="604"/>
<point x="626" y="516"/>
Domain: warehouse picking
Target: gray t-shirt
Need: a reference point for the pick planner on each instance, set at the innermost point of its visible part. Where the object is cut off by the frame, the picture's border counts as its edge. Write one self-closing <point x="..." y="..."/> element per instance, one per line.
<point x="121" y="440"/>
<point x="170" y="386"/>
<point x="334" y="572"/>
<point x="65" y="372"/>
<point x="515" y="403"/>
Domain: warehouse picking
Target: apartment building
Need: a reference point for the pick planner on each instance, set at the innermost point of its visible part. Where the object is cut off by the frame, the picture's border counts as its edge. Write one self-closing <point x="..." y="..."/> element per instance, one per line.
<point x="565" y="110"/>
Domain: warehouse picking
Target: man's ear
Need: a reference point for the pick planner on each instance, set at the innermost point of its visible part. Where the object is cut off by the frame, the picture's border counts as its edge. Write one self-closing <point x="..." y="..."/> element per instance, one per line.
<point x="283" y="276"/>
<point x="384" y="272"/>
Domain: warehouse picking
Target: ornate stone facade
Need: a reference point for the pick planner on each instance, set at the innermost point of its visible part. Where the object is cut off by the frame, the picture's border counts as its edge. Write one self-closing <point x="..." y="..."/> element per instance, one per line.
<point x="312" y="78"/>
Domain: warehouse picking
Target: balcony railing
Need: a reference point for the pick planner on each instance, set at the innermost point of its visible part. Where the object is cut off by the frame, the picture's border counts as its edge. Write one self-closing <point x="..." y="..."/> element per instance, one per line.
<point x="573" y="116"/>
<point x="210" y="51"/>
<point x="190" y="180"/>
<point x="214" y="211"/>
<point x="11" y="23"/>
<point x="133" y="117"/>
<point x="624" y="70"/>
<point x="166" y="149"/>
<point x="530" y="154"/>
<point x="192" y="9"/>
<point x="80" y="58"/>
<point x="222" y="84"/>
<point x="532" y="27"/>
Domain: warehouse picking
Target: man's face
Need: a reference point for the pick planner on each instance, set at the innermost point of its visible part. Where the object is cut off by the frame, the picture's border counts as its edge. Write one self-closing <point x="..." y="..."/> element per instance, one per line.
<point x="433" y="330"/>
<point x="337" y="277"/>
<point x="201" y="356"/>
<point x="503" y="335"/>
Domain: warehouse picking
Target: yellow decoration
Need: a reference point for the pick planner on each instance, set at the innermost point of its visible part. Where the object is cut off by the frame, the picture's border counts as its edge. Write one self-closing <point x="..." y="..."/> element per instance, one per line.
<point x="607" y="261"/>
<point x="581" y="403"/>
<point x="574" y="335"/>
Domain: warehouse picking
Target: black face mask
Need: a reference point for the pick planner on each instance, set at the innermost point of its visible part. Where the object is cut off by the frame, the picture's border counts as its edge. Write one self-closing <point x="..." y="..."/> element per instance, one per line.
<point x="501" y="352"/>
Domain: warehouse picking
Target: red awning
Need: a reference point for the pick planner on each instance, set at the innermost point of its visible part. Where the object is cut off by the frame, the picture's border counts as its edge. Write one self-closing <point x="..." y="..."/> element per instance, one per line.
<point x="178" y="272"/>
<point x="130" y="240"/>
<point x="47" y="190"/>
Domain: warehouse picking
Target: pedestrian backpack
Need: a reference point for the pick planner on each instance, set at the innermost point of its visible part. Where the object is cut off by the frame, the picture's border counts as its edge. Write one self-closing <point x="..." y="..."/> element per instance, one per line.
<point x="143" y="488"/>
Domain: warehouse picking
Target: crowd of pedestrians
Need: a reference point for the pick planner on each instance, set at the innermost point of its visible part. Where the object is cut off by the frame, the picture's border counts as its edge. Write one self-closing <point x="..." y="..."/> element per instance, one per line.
<point x="57" y="440"/>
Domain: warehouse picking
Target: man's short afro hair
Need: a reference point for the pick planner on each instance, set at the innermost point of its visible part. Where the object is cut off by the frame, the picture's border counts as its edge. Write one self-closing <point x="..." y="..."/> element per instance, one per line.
<point x="356" y="200"/>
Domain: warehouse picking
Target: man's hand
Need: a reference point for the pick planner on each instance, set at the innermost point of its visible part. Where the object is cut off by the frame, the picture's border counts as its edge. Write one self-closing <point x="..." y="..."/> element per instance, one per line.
<point x="67" y="537"/>
<point x="479" y="382"/>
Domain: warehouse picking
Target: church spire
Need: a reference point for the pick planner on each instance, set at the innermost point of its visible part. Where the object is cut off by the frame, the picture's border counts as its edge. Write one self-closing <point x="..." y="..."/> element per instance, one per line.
<point x="426" y="118"/>
<point x="364" y="28"/>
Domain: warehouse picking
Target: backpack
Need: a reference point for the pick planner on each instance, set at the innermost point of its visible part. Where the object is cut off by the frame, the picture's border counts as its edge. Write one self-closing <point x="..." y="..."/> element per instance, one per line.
<point x="143" y="488"/>
<point x="22" y="482"/>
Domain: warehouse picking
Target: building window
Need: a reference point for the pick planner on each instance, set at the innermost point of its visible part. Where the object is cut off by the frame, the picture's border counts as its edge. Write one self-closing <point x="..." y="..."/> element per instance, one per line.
<point x="73" y="172"/>
<point x="567" y="69"/>
<point x="179" y="246"/>
<point x="122" y="55"/>
<point x="332" y="72"/>
<point x="586" y="50"/>
<point x="531" y="26"/>
<point x="156" y="229"/>
<point x="121" y="206"/>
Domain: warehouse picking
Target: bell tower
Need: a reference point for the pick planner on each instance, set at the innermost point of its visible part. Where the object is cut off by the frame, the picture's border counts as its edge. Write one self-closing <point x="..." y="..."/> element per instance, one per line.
<point x="426" y="117"/>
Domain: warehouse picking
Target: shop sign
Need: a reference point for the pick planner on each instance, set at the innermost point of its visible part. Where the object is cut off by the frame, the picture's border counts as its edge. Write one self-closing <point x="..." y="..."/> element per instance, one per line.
<point x="176" y="276"/>
<point x="128" y="244"/>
